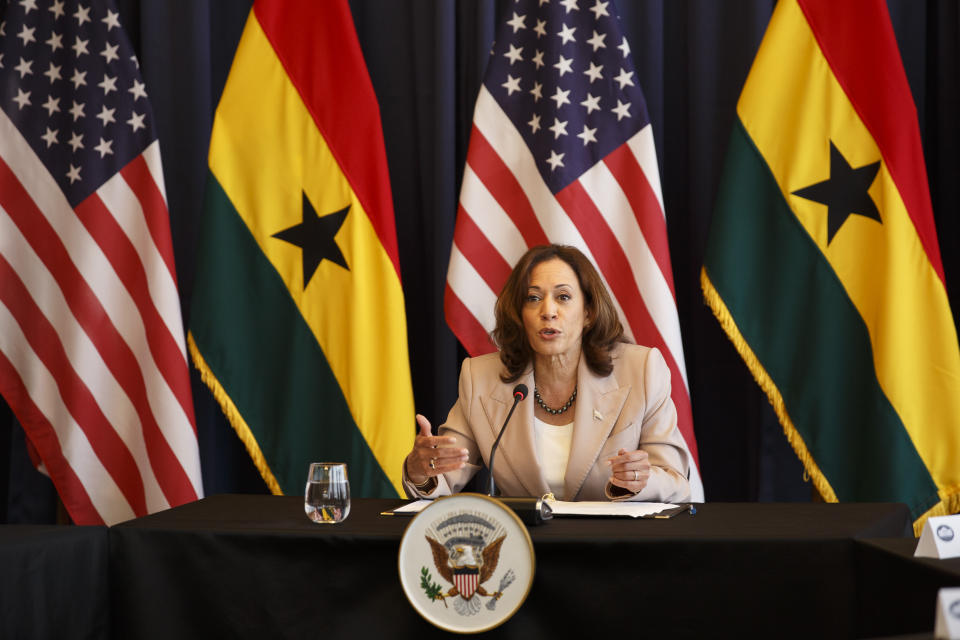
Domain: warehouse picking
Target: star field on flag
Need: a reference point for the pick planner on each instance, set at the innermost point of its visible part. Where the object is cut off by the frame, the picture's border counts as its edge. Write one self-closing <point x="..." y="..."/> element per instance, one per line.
<point x="562" y="70"/>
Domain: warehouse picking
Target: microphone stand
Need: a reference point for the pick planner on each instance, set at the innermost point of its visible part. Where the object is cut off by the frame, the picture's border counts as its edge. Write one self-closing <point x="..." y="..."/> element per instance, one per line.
<point x="519" y="393"/>
<point x="532" y="511"/>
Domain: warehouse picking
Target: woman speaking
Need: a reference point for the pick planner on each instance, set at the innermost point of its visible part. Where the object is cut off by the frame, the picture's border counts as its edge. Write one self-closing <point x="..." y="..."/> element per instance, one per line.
<point x="601" y="425"/>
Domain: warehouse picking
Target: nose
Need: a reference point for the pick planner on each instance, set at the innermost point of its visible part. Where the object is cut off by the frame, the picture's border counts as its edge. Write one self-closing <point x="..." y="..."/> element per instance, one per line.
<point x="548" y="308"/>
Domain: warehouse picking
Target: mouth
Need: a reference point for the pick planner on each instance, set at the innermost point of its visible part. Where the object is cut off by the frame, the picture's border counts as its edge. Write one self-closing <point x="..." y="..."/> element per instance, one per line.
<point x="549" y="333"/>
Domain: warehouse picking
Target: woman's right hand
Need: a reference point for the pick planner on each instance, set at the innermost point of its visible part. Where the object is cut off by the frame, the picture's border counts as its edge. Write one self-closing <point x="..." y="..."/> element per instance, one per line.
<point x="433" y="455"/>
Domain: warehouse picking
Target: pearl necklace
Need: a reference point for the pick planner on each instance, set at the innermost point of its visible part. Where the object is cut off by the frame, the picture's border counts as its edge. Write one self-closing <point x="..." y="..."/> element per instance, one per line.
<point x="536" y="395"/>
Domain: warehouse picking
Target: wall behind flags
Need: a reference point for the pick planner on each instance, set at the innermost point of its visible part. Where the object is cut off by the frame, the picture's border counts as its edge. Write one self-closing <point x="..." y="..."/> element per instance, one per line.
<point x="426" y="60"/>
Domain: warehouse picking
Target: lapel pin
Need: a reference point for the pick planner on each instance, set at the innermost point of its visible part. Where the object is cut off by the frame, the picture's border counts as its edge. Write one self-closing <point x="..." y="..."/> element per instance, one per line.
<point x="597" y="415"/>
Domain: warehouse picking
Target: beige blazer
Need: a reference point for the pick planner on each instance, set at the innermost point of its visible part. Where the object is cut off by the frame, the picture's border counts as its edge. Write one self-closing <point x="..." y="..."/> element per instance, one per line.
<point x="630" y="409"/>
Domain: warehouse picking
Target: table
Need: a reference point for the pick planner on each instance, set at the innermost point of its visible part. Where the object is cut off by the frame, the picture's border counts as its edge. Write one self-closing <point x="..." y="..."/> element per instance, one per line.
<point x="898" y="592"/>
<point x="53" y="582"/>
<point x="254" y="566"/>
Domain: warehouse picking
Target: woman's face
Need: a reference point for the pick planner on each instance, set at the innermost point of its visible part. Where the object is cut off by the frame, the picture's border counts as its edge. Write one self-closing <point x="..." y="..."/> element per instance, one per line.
<point x="553" y="311"/>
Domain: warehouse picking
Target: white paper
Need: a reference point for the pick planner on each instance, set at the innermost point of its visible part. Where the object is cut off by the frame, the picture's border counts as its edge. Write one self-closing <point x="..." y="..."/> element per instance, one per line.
<point x="563" y="508"/>
<point x="621" y="509"/>
<point x="940" y="538"/>
<point x="414" y="507"/>
<point x="948" y="614"/>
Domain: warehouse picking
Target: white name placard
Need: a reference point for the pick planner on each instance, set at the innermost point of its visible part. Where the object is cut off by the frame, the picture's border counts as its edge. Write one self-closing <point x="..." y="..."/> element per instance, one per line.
<point x="948" y="614"/>
<point x="940" y="538"/>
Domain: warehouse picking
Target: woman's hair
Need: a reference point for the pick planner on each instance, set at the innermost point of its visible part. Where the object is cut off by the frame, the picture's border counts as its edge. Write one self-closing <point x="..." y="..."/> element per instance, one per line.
<point x="602" y="329"/>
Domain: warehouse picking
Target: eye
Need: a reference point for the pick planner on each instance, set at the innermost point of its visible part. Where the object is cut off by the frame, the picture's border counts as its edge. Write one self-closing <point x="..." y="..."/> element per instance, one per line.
<point x="564" y="297"/>
<point x="532" y="297"/>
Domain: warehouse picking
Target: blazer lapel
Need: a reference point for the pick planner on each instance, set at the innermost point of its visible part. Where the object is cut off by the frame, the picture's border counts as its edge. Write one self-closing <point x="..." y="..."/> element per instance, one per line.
<point x="517" y="450"/>
<point x="599" y="401"/>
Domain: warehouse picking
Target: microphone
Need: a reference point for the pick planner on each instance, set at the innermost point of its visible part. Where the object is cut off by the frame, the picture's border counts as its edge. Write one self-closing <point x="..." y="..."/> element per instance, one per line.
<point x="519" y="393"/>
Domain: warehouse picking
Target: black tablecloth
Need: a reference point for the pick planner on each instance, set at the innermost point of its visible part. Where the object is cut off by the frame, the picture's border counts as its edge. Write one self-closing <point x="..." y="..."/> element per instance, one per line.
<point x="897" y="593"/>
<point x="254" y="566"/>
<point x="53" y="582"/>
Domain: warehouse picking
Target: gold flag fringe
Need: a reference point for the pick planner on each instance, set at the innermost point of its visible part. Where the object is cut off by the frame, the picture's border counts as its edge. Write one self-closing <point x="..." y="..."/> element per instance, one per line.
<point x="233" y="415"/>
<point x="763" y="379"/>
<point x="949" y="504"/>
<point x="949" y="500"/>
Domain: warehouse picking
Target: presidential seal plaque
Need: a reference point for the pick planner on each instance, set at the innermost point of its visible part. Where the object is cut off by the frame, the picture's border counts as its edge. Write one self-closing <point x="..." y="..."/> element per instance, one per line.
<point x="466" y="563"/>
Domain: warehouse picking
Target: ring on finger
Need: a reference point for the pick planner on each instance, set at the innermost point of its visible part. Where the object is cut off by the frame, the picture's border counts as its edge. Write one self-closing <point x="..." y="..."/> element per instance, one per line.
<point x="636" y="476"/>
<point x="433" y="463"/>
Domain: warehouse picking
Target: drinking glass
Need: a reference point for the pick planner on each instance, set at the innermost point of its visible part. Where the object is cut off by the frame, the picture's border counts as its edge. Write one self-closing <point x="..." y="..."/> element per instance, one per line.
<point x="327" y="496"/>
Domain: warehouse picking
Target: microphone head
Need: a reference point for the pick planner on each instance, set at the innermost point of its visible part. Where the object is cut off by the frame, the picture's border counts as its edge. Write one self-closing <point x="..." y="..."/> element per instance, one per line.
<point x="520" y="391"/>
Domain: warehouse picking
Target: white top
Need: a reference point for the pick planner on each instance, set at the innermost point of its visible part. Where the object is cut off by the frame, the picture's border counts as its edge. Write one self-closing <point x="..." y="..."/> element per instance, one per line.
<point x="553" y="451"/>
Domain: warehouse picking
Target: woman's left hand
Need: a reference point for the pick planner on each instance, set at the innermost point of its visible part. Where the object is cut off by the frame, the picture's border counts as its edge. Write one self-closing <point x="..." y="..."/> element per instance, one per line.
<point x="630" y="470"/>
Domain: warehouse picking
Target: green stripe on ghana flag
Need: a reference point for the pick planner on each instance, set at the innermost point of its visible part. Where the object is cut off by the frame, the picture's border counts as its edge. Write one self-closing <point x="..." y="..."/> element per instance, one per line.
<point x="795" y="316"/>
<point x="247" y="306"/>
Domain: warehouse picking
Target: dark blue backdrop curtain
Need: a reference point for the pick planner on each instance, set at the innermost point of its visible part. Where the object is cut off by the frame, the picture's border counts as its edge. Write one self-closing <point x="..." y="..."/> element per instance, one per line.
<point x="426" y="60"/>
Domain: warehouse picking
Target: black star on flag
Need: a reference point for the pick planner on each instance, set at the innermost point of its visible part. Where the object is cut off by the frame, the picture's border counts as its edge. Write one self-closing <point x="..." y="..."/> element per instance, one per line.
<point x="844" y="193"/>
<point x="315" y="236"/>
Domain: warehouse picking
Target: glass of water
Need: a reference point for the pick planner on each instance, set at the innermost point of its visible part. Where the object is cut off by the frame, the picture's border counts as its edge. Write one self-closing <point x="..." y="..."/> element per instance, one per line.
<point x="327" y="496"/>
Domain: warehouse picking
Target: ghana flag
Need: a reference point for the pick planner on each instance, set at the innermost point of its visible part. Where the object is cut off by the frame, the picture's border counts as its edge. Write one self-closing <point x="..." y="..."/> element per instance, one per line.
<point x="822" y="263"/>
<point x="298" y="323"/>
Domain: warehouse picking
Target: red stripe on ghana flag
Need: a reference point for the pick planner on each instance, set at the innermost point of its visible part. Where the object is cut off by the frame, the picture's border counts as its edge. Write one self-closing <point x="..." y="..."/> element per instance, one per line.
<point x="858" y="42"/>
<point x="303" y="33"/>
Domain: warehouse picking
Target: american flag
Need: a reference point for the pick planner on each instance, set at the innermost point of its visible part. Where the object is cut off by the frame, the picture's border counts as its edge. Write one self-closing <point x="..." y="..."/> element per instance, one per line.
<point x="562" y="151"/>
<point x="92" y="357"/>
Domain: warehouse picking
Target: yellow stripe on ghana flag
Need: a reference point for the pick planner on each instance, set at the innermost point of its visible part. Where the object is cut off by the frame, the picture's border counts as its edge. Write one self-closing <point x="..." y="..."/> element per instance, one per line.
<point x="272" y="153"/>
<point x="792" y="106"/>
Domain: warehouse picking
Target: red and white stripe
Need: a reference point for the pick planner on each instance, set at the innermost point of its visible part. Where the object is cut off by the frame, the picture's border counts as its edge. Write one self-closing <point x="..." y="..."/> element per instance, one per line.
<point x="466" y="582"/>
<point x="613" y="213"/>
<point x="92" y="351"/>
